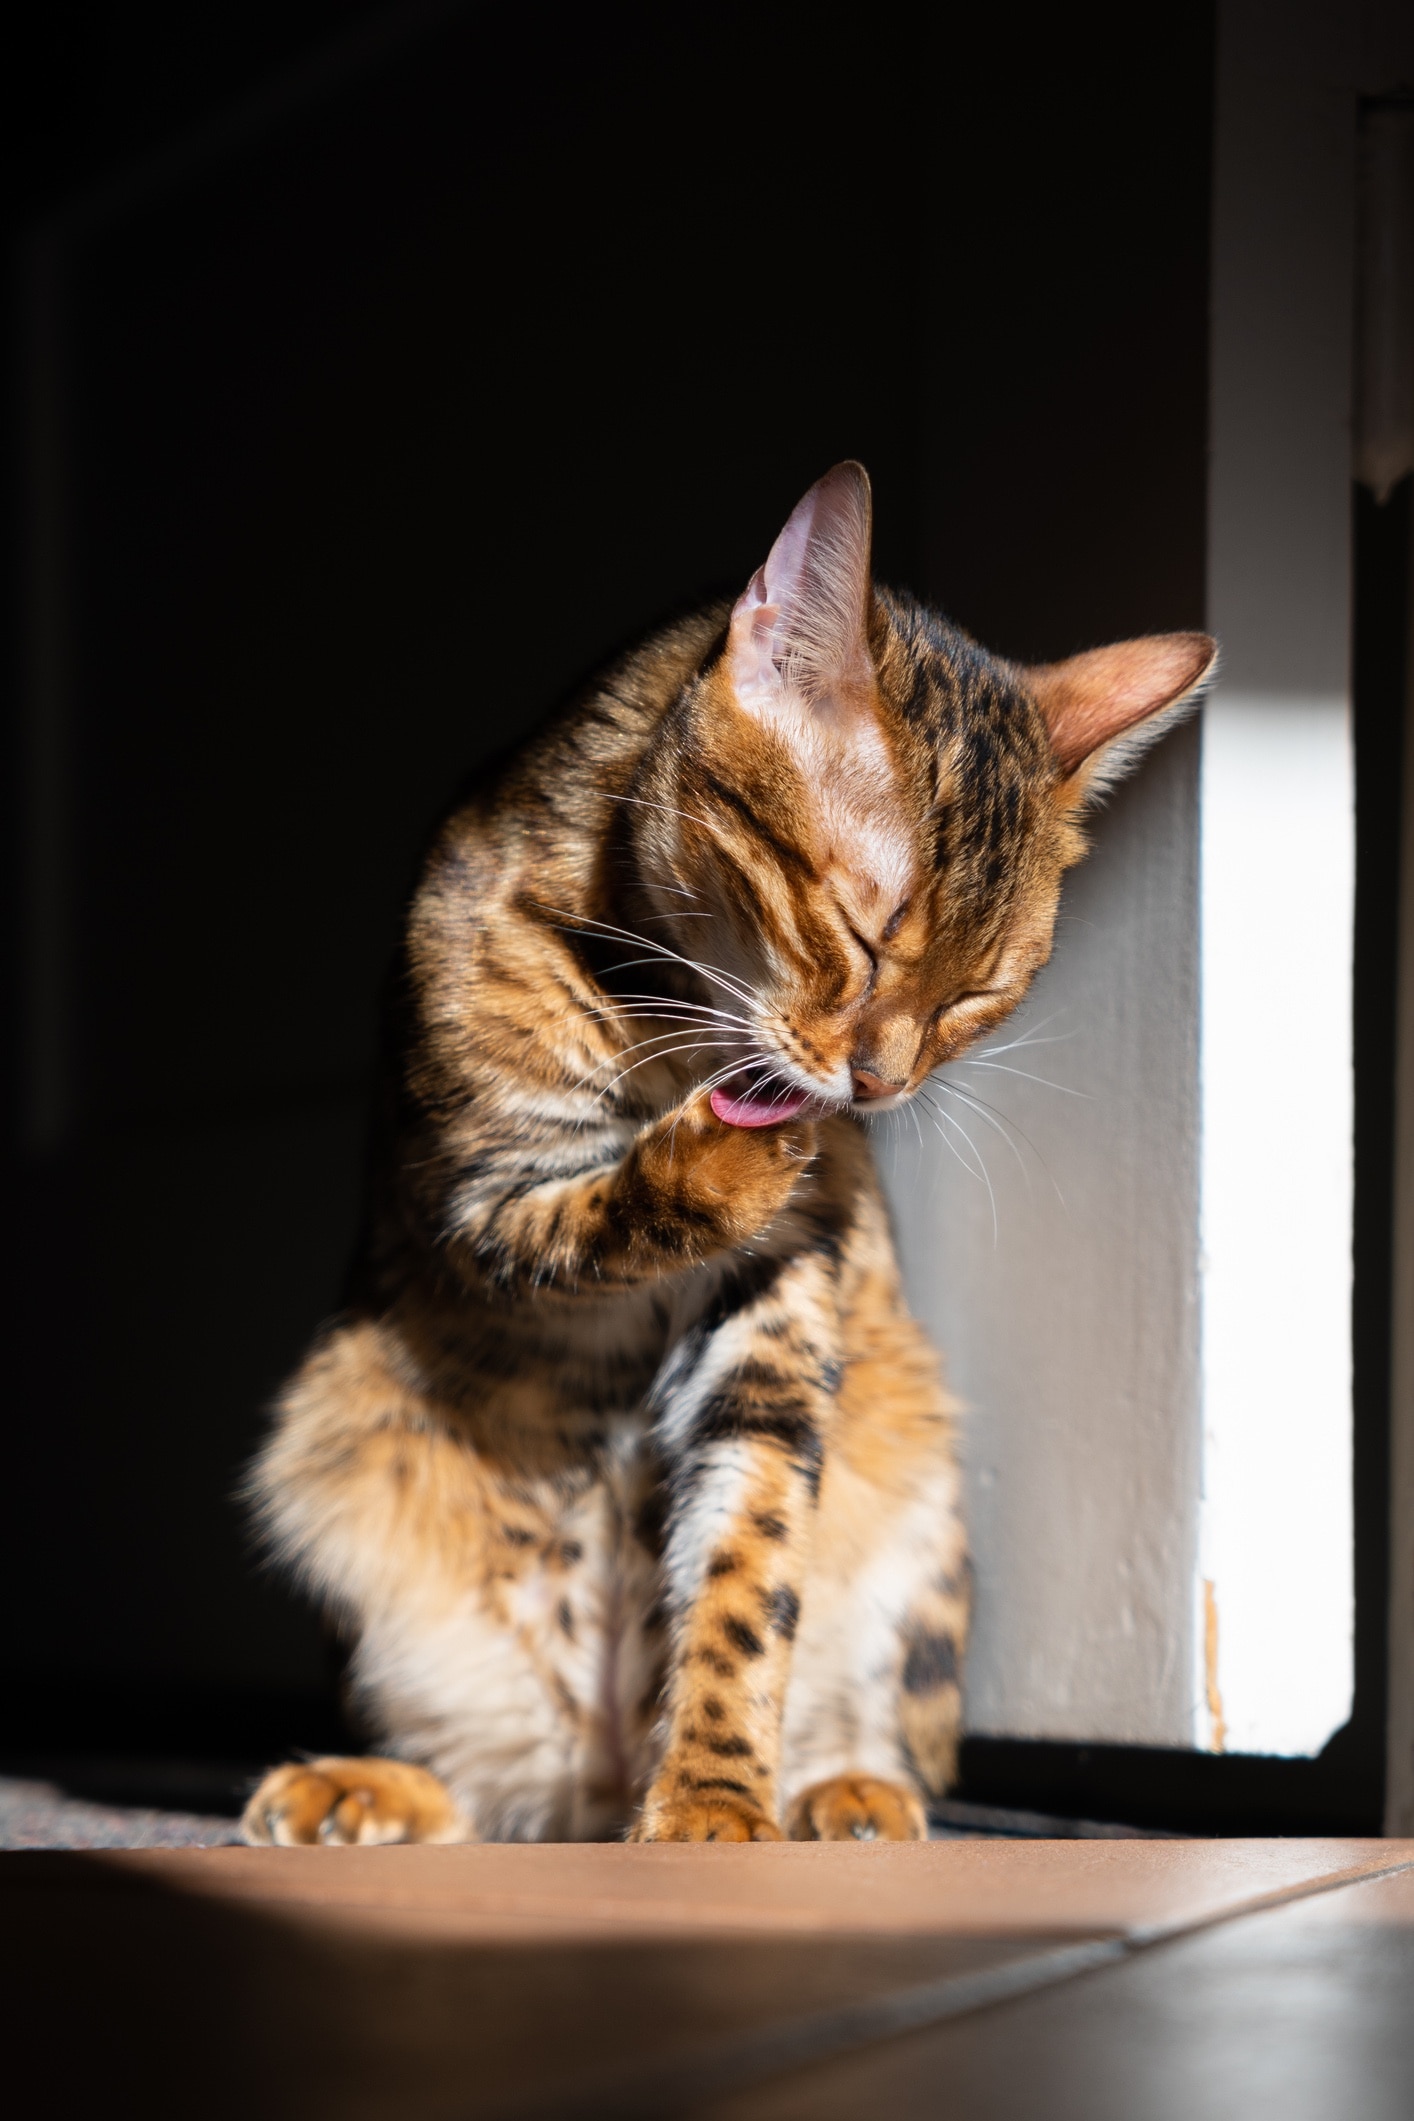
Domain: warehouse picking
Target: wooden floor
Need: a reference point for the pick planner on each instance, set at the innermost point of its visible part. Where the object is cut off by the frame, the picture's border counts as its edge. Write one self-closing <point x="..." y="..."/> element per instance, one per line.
<point x="1090" y="1979"/>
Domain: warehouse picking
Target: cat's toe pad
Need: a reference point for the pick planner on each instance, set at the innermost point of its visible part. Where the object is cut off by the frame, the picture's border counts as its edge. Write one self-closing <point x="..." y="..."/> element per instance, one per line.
<point x="348" y="1803"/>
<point x="857" y="1808"/>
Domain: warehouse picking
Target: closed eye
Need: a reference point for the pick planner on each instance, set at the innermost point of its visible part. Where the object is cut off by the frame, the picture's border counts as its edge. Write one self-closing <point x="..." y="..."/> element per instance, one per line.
<point x="872" y="957"/>
<point x="973" y="994"/>
<point x="868" y="948"/>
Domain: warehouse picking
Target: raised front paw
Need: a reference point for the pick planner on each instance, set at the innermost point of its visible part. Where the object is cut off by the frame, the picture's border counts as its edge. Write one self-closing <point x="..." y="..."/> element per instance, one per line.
<point x="715" y="1817"/>
<point x="342" y="1803"/>
<point x="721" y="1183"/>
<point x="857" y="1808"/>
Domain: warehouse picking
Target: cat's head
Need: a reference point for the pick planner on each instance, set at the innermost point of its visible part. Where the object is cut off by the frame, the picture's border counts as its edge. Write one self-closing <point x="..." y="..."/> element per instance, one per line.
<point x="858" y="820"/>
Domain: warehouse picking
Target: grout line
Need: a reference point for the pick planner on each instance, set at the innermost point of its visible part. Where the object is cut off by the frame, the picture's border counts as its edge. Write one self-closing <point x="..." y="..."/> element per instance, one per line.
<point x="1140" y="1940"/>
<point x="684" y="2082"/>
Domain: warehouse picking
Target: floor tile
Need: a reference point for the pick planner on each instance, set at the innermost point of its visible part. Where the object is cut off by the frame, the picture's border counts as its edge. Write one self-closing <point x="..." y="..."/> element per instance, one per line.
<point x="1302" y="2012"/>
<point x="510" y="1984"/>
<point x="781" y="1888"/>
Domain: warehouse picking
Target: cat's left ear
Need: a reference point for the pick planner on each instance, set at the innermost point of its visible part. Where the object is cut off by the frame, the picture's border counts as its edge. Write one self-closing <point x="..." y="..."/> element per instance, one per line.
<point x="1103" y="709"/>
<point x="799" y="632"/>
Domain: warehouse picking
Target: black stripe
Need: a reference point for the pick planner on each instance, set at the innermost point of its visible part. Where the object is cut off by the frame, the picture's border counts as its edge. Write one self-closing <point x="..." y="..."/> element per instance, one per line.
<point x="791" y="855"/>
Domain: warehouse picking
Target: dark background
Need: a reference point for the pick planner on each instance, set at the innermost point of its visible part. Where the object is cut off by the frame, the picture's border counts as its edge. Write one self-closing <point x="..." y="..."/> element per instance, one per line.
<point x="376" y="373"/>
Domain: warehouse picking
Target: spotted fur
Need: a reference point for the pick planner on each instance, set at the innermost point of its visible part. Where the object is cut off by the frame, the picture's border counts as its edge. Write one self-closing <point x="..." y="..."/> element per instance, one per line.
<point x="627" y="1471"/>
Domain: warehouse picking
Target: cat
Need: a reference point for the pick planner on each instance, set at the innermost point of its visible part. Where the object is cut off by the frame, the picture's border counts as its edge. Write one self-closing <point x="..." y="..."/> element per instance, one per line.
<point x="627" y="1472"/>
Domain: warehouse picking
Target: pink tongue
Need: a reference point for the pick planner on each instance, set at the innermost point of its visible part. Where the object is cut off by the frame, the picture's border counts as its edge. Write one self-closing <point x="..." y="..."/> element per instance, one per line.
<point x="757" y="1111"/>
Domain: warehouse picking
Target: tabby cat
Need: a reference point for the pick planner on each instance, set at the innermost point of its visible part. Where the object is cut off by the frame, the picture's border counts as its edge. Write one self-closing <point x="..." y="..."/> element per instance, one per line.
<point x="627" y="1472"/>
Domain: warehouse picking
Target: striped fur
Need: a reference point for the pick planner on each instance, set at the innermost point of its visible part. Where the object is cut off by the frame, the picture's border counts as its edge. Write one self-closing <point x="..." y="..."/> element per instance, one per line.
<point x="627" y="1472"/>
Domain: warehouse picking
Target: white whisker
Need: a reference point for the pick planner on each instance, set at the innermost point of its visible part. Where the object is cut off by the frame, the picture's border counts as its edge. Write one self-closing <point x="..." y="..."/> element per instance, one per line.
<point x="645" y="802"/>
<point x="688" y="1046"/>
<point x="983" y="1113"/>
<point x="709" y="1032"/>
<point x="980" y="1105"/>
<point x="942" y="1120"/>
<point x="1030" y="1038"/>
<point x="665" y="1003"/>
<point x="1045" y="1081"/>
<point x="583" y="924"/>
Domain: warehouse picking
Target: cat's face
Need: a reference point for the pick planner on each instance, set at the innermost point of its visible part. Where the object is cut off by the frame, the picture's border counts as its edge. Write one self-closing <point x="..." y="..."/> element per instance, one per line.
<point x="882" y="884"/>
<point x="860" y="821"/>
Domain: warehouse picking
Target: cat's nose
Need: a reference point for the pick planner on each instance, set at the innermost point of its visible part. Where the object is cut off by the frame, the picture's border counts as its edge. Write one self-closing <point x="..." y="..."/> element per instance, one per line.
<point x="867" y="1085"/>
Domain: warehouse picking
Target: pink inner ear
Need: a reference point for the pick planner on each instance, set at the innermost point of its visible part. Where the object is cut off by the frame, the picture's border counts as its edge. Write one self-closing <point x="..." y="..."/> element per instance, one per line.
<point x="807" y="608"/>
<point x="1092" y="698"/>
<point x="753" y="635"/>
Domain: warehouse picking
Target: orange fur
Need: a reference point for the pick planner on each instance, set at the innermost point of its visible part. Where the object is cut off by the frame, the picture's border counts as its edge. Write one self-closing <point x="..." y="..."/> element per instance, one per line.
<point x="627" y="1471"/>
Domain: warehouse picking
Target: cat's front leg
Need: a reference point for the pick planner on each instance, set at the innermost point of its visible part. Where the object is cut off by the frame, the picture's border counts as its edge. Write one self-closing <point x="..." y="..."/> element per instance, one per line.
<point x="746" y="1406"/>
<point x="688" y="1188"/>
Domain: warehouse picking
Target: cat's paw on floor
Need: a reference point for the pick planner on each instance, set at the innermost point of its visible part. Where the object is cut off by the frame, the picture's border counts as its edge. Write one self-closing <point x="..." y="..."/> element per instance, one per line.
<point x="857" y="1808"/>
<point x="705" y="1819"/>
<point x="346" y="1803"/>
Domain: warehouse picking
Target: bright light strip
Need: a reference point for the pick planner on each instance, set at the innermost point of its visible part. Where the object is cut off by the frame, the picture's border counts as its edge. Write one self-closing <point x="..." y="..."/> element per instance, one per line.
<point x="1275" y="1619"/>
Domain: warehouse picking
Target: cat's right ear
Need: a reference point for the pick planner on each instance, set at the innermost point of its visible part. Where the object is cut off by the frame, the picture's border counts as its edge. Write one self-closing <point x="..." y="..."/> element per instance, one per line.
<point x="799" y="631"/>
<point x="1104" y="708"/>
